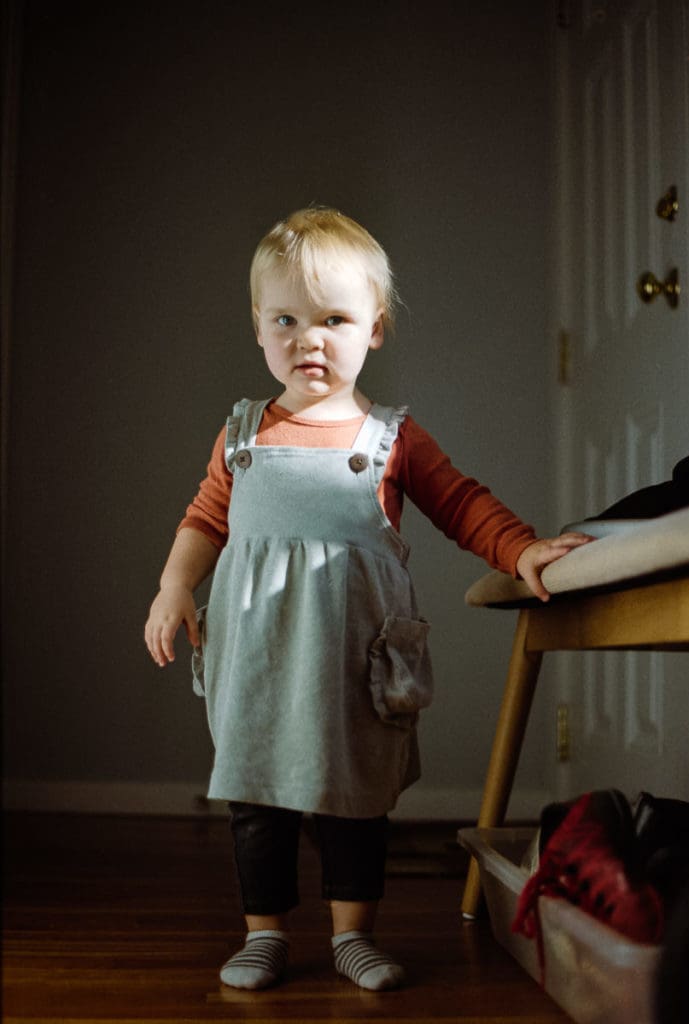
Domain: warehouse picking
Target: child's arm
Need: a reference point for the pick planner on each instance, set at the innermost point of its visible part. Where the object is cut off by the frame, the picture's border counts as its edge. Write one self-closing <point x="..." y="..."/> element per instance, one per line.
<point x="467" y="512"/>
<point x="536" y="556"/>
<point x="192" y="558"/>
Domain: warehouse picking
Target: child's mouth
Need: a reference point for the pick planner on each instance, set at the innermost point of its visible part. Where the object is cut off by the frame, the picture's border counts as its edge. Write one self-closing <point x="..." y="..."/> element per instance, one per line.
<point x="311" y="369"/>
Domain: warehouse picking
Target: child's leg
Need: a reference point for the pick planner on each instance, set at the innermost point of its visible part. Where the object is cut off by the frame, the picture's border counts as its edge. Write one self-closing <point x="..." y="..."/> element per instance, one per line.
<point x="350" y="915"/>
<point x="266" y="842"/>
<point x="266" y="845"/>
<point x="353" y="853"/>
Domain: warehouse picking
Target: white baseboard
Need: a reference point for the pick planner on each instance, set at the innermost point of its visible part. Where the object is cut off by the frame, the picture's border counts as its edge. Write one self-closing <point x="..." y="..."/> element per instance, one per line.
<point x="184" y="799"/>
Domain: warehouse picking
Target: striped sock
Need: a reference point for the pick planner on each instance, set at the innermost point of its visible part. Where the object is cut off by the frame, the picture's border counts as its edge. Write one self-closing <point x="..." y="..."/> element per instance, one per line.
<point x="358" y="959"/>
<point x="260" y="964"/>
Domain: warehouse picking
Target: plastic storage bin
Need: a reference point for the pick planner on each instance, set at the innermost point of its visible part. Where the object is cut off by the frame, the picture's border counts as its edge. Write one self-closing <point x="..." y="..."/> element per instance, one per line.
<point x="595" y="974"/>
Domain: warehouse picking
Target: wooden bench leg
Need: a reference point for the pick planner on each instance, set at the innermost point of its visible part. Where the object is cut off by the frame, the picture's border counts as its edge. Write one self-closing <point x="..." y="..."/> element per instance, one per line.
<point x="509" y="735"/>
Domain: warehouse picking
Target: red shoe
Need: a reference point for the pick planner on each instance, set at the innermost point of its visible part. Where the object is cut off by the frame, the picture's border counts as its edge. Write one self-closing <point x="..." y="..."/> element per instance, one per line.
<point x="579" y="864"/>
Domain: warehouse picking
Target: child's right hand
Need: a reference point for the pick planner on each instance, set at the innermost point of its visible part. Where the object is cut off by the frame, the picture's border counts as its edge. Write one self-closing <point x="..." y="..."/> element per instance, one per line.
<point x="173" y="606"/>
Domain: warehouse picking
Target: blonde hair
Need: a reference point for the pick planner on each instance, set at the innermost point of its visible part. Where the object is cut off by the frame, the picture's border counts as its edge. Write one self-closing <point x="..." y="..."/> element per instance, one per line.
<point x="304" y="239"/>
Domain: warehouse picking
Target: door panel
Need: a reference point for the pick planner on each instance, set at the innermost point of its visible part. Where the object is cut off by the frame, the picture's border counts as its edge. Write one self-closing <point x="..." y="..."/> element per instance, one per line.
<point x="622" y="82"/>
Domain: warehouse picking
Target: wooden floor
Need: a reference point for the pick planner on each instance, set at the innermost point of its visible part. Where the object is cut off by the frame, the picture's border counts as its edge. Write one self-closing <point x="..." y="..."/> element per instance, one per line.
<point x="128" y="919"/>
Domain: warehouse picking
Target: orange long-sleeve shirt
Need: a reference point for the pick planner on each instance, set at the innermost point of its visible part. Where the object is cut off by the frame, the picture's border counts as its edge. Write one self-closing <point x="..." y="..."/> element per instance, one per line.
<point x="460" y="506"/>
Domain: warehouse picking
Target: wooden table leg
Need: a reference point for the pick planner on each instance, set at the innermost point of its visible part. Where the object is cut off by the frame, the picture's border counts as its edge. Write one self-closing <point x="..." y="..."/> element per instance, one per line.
<point x="509" y="735"/>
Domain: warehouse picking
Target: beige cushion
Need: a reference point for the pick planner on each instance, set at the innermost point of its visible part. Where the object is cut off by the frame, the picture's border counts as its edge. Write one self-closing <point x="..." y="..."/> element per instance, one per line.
<point x="627" y="551"/>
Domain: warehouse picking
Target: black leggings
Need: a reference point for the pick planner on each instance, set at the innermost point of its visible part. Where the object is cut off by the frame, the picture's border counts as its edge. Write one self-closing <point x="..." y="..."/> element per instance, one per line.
<point x="266" y="843"/>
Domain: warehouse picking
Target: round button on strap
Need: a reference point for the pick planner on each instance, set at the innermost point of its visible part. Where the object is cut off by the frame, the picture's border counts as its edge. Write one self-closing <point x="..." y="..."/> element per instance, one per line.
<point x="358" y="462"/>
<point x="243" y="458"/>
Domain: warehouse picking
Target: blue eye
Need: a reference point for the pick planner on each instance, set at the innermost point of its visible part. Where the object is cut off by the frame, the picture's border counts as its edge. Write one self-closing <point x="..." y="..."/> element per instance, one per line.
<point x="334" y="321"/>
<point x="285" y="320"/>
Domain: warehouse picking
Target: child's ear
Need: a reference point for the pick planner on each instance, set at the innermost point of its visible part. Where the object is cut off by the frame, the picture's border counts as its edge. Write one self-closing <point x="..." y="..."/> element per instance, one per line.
<point x="257" y="326"/>
<point x="378" y="331"/>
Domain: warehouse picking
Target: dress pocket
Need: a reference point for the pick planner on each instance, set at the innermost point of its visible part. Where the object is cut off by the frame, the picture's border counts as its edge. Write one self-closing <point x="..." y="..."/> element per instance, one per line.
<point x="401" y="679"/>
<point x="197" y="659"/>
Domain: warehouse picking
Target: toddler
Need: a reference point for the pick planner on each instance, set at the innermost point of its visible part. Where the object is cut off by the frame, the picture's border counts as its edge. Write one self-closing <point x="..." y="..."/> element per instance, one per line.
<point x="311" y="655"/>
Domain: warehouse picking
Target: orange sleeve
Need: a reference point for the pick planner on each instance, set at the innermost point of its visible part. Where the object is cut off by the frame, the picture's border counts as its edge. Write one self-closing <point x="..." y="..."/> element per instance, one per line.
<point x="460" y="506"/>
<point x="208" y="511"/>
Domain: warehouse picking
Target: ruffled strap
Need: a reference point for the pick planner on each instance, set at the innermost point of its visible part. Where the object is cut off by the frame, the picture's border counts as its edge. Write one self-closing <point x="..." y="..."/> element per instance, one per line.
<point x="242" y="427"/>
<point x="378" y="435"/>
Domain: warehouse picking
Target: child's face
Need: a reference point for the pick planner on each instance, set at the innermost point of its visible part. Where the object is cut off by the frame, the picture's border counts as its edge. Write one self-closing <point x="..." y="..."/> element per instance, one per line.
<point x="316" y="347"/>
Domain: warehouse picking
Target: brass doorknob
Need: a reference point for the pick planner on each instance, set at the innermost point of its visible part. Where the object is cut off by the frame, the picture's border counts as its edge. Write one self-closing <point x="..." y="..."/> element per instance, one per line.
<point x="668" y="205"/>
<point x="648" y="286"/>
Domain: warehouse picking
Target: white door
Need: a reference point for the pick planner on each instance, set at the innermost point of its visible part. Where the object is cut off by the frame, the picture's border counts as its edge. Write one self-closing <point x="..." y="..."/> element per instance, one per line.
<point x="621" y="85"/>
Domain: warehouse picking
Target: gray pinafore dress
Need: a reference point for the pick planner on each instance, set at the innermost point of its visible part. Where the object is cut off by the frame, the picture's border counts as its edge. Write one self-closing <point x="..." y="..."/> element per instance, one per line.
<point x="314" y="661"/>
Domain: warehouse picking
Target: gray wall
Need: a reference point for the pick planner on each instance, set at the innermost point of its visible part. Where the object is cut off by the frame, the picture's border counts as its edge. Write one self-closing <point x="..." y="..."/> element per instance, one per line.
<point x="157" y="142"/>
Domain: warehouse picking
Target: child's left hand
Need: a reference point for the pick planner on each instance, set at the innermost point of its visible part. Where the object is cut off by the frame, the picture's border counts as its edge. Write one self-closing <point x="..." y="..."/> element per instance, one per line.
<point x="534" y="559"/>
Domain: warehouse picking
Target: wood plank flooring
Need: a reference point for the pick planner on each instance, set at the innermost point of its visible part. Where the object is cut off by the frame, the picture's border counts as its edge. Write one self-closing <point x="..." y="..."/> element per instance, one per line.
<point x="126" y="920"/>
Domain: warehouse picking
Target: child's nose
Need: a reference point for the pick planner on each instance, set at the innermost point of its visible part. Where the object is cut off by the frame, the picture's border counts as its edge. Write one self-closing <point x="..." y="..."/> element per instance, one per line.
<point x="310" y="339"/>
